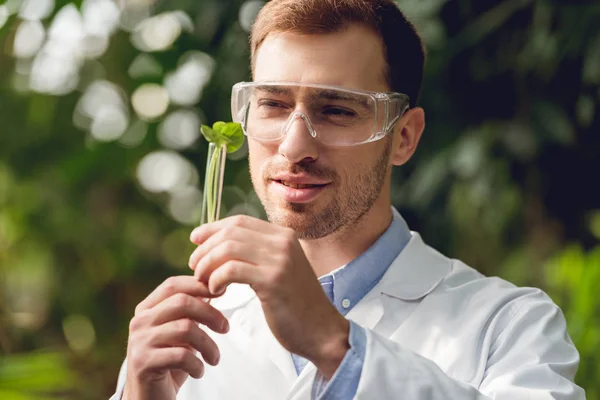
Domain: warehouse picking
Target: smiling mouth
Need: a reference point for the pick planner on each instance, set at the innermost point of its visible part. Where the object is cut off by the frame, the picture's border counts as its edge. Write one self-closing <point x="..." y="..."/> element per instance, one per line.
<point x="300" y="185"/>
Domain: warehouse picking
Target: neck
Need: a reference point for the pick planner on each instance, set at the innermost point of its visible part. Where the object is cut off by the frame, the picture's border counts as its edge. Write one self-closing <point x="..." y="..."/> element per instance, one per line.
<point x="331" y="252"/>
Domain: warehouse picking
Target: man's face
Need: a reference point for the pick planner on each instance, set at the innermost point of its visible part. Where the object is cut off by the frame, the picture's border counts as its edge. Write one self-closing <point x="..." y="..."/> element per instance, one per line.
<point x="354" y="180"/>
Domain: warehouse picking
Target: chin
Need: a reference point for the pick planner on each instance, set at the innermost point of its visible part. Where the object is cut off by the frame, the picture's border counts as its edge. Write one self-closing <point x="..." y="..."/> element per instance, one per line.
<point x="308" y="223"/>
<point x="293" y="216"/>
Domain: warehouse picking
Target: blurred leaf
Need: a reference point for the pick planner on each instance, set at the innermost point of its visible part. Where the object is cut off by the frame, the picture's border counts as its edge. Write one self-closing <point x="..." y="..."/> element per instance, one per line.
<point x="427" y="180"/>
<point x="594" y="221"/>
<point x="553" y="122"/>
<point x="586" y="108"/>
<point x="486" y="24"/>
<point x="37" y="372"/>
<point x="591" y="65"/>
<point x="574" y="276"/>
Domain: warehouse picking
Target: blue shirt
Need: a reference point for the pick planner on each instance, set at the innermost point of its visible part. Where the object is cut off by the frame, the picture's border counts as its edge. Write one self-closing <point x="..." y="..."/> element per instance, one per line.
<point x="345" y="287"/>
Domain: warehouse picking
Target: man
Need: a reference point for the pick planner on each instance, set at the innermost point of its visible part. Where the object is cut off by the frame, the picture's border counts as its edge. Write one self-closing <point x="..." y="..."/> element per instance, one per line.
<point x="331" y="110"/>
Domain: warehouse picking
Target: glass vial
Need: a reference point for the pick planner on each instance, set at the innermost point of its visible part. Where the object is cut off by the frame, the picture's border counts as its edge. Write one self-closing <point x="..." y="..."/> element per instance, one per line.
<point x="213" y="183"/>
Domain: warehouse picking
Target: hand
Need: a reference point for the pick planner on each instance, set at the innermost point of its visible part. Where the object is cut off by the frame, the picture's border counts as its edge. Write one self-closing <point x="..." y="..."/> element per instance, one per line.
<point x="269" y="258"/>
<point x="163" y="338"/>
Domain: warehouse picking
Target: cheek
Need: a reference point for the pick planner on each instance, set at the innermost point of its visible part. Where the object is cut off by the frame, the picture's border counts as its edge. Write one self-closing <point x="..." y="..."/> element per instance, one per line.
<point x="254" y="167"/>
<point x="352" y="164"/>
<point x="258" y="156"/>
<point x="363" y="168"/>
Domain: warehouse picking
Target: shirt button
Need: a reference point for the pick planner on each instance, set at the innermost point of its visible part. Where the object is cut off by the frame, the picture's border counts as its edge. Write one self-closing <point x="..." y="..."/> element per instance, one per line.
<point x="345" y="303"/>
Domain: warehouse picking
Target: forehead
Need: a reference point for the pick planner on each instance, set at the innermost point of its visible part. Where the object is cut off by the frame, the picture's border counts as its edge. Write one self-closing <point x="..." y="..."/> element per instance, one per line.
<point x="352" y="58"/>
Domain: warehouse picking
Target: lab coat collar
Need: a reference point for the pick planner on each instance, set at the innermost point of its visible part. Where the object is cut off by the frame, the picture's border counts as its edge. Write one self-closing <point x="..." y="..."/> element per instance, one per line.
<point x="415" y="272"/>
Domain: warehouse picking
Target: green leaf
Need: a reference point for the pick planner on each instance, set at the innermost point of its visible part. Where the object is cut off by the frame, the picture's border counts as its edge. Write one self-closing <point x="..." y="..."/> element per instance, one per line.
<point x="225" y="133"/>
<point x="231" y="133"/>
<point x="209" y="134"/>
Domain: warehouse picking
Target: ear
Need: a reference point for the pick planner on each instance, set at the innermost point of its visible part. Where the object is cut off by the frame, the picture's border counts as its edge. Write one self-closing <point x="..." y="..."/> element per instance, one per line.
<point x="407" y="134"/>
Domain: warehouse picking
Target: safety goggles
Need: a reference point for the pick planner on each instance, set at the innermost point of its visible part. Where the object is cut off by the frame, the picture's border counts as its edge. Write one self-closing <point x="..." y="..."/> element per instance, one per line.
<point x="334" y="115"/>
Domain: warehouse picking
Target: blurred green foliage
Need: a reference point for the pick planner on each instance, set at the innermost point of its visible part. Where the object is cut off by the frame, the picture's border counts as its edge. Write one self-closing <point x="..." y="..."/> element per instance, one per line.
<point x="35" y="376"/>
<point x="100" y="159"/>
<point x="574" y="278"/>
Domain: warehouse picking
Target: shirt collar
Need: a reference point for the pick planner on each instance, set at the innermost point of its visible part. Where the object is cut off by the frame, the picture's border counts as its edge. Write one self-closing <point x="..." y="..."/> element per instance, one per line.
<point x="354" y="280"/>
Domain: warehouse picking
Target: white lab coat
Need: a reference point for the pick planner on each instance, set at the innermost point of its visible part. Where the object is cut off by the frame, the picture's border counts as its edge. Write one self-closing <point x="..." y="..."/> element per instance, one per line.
<point x="436" y="329"/>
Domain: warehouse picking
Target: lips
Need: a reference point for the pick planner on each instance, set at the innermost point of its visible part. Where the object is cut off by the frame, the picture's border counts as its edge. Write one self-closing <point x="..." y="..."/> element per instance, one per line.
<point x="295" y="185"/>
<point x="297" y="192"/>
<point x="299" y="179"/>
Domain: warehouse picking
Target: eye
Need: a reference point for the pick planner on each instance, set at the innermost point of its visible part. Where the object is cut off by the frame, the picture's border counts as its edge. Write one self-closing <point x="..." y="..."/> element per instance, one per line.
<point x="339" y="112"/>
<point x="270" y="104"/>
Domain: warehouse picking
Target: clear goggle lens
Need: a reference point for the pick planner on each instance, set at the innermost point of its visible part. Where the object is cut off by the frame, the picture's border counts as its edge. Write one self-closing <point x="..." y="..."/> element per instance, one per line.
<point x="335" y="116"/>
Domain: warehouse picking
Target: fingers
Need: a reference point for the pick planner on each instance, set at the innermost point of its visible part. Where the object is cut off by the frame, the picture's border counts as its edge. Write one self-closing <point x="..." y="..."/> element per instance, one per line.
<point x="229" y="233"/>
<point x="180" y="306"/>
<point x="234" y="271"/>
<point x="171" y="286"/>
<point x="202" y="233"/>
<point x="185" y="333"/>
<point x="164" y="335"/>
<point x="227" y="251"/>
<point x="166" y="359"/>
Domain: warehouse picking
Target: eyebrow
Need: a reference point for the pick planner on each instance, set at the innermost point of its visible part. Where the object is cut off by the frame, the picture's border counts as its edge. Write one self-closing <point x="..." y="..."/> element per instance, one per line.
<point x="316" y="94"/>
<point x="336" y="95"/>
<point x="278" y="90"/>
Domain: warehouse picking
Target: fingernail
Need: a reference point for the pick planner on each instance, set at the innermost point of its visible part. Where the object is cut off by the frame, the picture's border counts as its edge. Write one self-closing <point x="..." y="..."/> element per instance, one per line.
<point x="193" y="235"/>
<point x="217" y="358"/>
<point x="217" y="291"/>
<point x="225" y="326"/>
<point x="192" y="265"/>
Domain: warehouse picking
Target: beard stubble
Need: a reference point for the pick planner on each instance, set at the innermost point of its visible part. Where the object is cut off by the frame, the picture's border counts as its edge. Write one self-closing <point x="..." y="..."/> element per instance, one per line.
<point x="343" y="211"/>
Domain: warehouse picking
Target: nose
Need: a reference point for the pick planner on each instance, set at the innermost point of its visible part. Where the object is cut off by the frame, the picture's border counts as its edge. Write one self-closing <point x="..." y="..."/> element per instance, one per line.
<point x="299" y="142"/>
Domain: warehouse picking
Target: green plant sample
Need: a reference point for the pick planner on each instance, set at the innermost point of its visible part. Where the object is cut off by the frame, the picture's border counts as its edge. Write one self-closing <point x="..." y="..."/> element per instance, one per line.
<point x="228" y="135"/>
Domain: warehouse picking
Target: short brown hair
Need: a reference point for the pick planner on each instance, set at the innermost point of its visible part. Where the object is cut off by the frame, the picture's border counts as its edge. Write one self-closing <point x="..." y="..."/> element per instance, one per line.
<point x="403" y="48"/>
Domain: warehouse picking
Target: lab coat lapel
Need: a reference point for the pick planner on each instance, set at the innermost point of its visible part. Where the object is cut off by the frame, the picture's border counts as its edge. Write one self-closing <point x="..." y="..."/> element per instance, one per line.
<point x="415" y="272"/>
<point x="255" y="326"/>
<point x="253" y="344"/>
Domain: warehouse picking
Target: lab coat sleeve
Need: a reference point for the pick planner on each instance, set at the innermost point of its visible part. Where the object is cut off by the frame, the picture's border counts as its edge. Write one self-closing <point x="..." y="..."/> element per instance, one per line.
<point x="531" y="358"/>
<point x="120" y="383"/>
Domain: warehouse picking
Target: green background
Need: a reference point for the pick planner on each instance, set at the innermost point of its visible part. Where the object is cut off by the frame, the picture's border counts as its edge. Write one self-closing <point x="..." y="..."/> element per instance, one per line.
<point x="101" y="163"/>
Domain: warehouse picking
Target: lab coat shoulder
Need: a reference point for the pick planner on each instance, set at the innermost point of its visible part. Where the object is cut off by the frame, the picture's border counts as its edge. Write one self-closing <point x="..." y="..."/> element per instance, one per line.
<point x="465" y="335"/>
<point x="492" y="302"/>
<point x="491" y="306"/>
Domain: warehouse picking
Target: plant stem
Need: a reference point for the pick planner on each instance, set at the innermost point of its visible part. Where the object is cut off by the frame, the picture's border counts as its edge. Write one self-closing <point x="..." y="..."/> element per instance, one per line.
<point x="213" y="183"/>
<point x="211" y="186"/>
